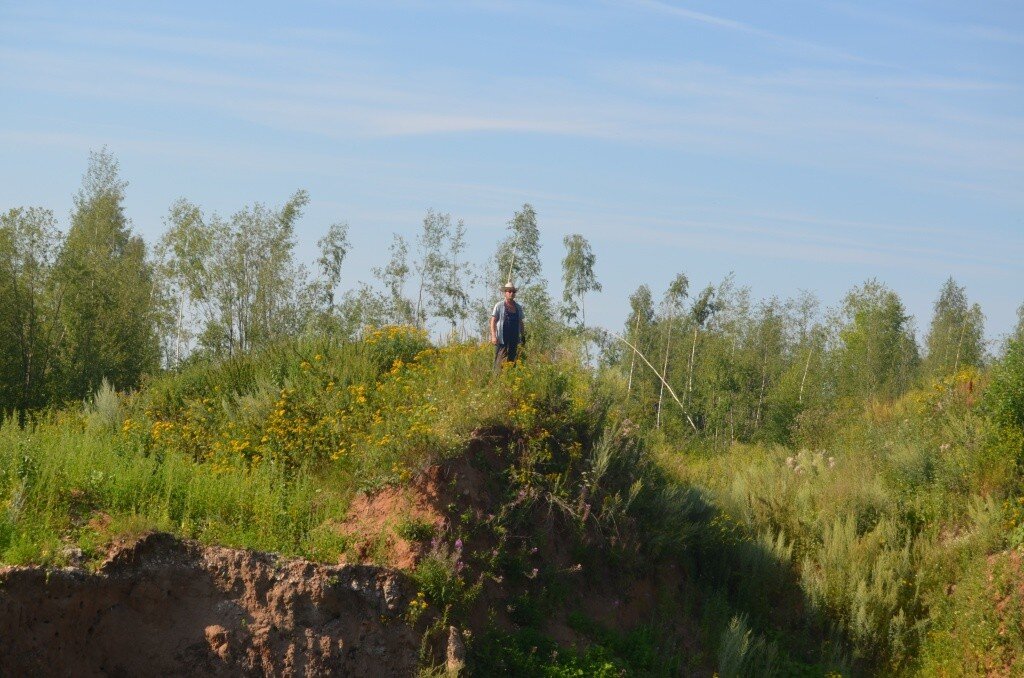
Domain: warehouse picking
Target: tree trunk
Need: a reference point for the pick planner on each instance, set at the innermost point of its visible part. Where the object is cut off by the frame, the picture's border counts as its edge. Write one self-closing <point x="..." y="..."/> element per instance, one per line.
<point x="760" y="395"/>
<point x="177" y="332"/>
<point x="803" y="380"/>
<point x="632" y="360"/>
<point x="664" y="371"/>
<point x="693" y="354"/>
<point x="959" y="345"/>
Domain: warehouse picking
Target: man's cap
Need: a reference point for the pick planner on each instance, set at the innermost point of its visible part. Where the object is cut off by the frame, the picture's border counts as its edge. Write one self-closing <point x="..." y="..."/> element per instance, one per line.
<point x="509" y="286"/>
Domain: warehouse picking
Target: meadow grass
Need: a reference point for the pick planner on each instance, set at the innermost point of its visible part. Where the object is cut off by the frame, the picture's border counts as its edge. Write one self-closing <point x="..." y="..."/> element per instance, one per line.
<point x="865" y="550"/>
<point x="875" y="523"/>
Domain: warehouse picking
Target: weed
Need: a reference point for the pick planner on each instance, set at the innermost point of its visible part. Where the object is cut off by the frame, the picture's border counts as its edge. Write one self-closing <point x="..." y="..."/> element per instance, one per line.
<point x="415" y="529"/>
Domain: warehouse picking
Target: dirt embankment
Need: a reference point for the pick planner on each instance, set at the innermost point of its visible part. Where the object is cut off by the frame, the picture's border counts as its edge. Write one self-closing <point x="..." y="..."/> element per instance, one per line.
<point x="166" y="607"/>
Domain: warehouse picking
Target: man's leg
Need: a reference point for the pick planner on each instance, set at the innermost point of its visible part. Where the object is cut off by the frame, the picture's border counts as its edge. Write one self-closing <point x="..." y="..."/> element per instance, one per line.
<point x="500" y="356"/>
<point x="512" y="352"/>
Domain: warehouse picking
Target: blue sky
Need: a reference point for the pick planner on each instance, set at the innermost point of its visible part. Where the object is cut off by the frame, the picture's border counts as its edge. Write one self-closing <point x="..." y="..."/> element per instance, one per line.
<point x="799" y="145"/>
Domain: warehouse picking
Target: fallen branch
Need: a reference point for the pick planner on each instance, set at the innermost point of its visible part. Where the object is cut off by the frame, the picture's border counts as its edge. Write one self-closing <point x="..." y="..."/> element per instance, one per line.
<point x="660" y="377"/>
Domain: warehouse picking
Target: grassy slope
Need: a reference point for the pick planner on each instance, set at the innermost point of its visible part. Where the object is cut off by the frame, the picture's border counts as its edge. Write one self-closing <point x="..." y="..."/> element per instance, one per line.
<point x="838" y="557"/>
<point x="879" y="523"/>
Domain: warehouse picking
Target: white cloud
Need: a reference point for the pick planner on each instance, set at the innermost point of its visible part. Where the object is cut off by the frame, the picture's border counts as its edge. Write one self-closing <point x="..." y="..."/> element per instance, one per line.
<point x="810" y="48"/>
<point x="937" y="125"/>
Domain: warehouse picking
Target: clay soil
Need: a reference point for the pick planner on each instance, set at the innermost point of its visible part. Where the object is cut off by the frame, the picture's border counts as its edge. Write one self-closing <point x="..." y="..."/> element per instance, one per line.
<point x="165" y="607"/>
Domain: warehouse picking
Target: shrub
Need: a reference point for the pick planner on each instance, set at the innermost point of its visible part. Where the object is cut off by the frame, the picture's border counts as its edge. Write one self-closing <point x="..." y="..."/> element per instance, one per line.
<point x="741" y="652"/>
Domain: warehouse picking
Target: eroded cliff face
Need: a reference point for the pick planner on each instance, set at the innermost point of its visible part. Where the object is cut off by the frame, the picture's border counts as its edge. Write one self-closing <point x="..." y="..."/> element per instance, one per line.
<point x="163" y="606"/>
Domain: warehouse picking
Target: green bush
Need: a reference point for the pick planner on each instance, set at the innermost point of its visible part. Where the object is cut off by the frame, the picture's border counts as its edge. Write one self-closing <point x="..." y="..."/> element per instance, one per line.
<point x="1004" y="397"/>
<point x="741" y="652"/>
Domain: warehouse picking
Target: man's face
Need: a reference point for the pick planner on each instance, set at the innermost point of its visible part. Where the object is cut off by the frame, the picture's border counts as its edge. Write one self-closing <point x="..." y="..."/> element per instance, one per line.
<point x="510" y="295"/>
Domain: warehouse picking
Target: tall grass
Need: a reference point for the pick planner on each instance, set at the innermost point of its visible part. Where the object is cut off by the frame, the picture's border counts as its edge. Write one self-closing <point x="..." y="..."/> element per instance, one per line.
<point x="63" y="486"/>
<point x="838" y="556"/>
<point x="214" y="453"/>
<point x="874" y="526"/>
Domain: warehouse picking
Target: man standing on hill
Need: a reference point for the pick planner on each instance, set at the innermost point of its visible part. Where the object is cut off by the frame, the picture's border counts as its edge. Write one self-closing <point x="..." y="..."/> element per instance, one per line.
<point x="507" y="328"/>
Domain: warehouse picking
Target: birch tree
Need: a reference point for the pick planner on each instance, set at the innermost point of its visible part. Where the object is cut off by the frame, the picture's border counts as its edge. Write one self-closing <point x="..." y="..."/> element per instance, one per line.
<point x="878" y="354"/>
<point x="29" y="308"/>
<point x="398" y="308"/>
<point x="704" y="306"/>
<point x="578" y="278"/>
<point x="956" y="335"/>
<point x="334" y="247"/>
<point x="674" y="296"/>
<point x="182" y="256"/>
<point x="638" y="326"/>
<point x="449" y="295"/>
<point x="517" y="260"/>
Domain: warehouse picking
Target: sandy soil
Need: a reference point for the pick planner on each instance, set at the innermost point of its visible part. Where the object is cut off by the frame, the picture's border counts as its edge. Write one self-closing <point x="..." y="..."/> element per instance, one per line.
<point x="165" y="607"/>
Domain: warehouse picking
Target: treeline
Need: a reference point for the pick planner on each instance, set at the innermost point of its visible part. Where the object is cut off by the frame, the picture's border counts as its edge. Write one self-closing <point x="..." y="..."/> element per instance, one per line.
<point x="737" y="369"/>
<point x="93" y="303"/>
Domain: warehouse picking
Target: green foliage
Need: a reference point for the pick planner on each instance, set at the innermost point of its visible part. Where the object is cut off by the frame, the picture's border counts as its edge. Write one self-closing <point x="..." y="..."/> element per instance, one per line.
<point x="641" y="651"/>
<point x="442" y="286"/>
<point x="182" y="256"/>
<point x="529" y="653"/>
<point x="105" y="412"/>
<point x="517" y="259"/>
<point x="979" y="628"/>
<point x="743" y="653"/>
<point x="392" y="307"/>
<point x="827" y="516"/>
<point x="107" y="311"/>
<point x="440" y="576"/>
<point x="29" y="300"/>
<point x="1005" y="395"/>
<point x="577" y="277"/>
<point x="879" y="353"/>
<point x="248" y="286"/>
<point x="61" y="481"/>
<point x="334" y="247"/>
<point x="956" y="336"/>
<point x="411" y="529"/>
<point x="865" y="537"/>
<point x="395" y="344"/>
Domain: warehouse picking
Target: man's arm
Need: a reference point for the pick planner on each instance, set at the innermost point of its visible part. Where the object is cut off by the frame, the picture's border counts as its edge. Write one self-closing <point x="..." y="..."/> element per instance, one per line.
<point x="494" y="330"/>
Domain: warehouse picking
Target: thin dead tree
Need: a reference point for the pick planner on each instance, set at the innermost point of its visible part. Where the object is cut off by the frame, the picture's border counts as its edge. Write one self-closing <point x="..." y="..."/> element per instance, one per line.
<point x="674" y="296"/>
<point x="660" y="376"/>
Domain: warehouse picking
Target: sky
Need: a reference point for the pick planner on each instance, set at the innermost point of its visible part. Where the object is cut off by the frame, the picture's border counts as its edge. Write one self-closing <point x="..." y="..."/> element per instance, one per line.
<point x="796" y="145"/>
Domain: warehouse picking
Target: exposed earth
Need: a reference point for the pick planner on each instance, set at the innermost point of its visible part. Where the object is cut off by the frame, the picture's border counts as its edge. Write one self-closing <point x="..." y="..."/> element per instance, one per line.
<point x="163" y="606"/>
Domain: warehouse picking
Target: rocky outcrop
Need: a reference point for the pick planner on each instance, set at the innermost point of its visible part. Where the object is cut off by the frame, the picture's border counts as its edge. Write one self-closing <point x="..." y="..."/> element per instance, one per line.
<point x="166" y="607"/>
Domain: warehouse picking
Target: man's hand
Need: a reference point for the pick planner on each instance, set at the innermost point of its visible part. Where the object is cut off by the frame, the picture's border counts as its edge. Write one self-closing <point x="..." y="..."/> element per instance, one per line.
<point x="494" y="340"/>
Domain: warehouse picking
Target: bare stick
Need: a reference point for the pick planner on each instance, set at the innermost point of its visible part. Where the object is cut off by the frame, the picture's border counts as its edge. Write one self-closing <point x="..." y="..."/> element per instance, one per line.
<point x="959" y="345"/>
<point x="658" y="374"/>
<point x="807" y="366"/>
<point x="632" y="361"/>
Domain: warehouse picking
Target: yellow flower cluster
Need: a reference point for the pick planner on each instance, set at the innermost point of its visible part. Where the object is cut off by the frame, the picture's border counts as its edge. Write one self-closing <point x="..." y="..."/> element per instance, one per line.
<point x="417" y="606"/>
<point x="1013" y="513"/>
<point x="393" y="332"/>
<point x="420" y="405"/>
<point x="159" y="428"/>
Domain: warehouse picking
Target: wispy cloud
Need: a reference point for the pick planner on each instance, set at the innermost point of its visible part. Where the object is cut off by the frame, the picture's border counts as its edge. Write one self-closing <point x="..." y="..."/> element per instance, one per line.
<point x="922" y="25"/>
<point x="780" y="243"/>
<point x="685" y="14"/>
<point x="708" y="111"/>
<point x="828" y="117"/>
<point x="994" y="34"/>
